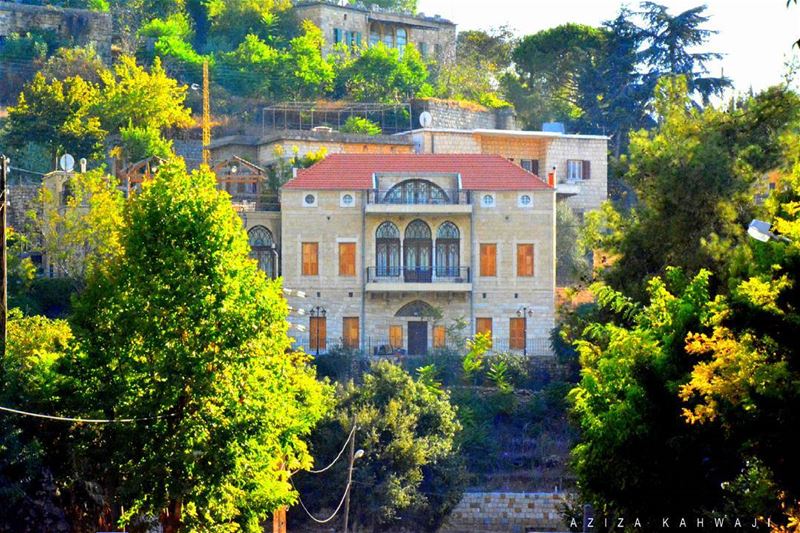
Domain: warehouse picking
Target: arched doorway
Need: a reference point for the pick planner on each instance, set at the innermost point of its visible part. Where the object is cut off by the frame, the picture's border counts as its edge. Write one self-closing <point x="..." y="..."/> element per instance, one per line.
<point x="419" y="312"/>
<point x="262" y="249"/>
<point x="447" y="250"/>
<point x="417" y="252"/>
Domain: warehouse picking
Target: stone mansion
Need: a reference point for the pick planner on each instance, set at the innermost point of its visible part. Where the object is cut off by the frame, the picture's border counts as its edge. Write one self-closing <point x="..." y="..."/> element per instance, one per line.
<point x="392" y="249"/>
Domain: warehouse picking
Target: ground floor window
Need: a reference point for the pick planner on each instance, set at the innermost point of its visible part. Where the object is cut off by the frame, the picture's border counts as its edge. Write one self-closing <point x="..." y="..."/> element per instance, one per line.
<point x="396" y="337"/>
<point x="317" y="333"/>
<point x="517" y="337"/>
<point x="439" y="335"/>
<point x="483" y="325"/>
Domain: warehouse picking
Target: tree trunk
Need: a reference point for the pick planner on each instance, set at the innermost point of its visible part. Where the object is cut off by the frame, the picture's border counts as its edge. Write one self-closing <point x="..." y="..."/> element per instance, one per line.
<point x="171" y="517"/>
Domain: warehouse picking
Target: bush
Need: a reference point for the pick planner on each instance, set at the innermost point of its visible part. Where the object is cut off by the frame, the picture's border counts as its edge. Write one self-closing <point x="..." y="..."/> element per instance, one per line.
<point x="360" y="125"/>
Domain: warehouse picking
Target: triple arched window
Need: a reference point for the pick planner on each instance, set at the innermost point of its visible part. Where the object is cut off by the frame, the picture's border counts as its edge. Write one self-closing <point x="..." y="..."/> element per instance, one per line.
<point x="417" y="251"/>
<point x="416" y="192"/>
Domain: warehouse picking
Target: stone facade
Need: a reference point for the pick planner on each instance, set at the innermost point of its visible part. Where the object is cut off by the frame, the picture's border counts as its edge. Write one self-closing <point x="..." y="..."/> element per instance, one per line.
<point x="79" y="25"/>
<point x="358" y="25"/>
<point x="454" y="114"/>
<point x="22" y="198"/>
<point x="551" y="152"/>
<point x="379" y="304"/>
<point x="507" y="512"/>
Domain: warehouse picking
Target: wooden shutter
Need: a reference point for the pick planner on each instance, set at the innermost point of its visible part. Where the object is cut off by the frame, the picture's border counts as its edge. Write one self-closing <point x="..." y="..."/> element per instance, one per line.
<point x="318" y="333"/>
<point x="347" y="259"/>
<point x="483" y="325"/>
<point x="350" y="330"/>
<point x="396" y="336"/>
<point x="517" y="329"/>
<point x="535" y="166"/>
<point x="587" y="170"/>
<point x="337" y="35"/>
<point x="439" y="336"/>
<point x="310" y="259"/>
<point x="525" y="260"/>
<point x="488" y="259"/>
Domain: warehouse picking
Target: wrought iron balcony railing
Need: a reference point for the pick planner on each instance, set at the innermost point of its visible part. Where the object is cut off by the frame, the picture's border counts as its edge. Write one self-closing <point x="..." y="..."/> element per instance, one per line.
<point x="437" y="274"/>
<point x="420" y="197"/>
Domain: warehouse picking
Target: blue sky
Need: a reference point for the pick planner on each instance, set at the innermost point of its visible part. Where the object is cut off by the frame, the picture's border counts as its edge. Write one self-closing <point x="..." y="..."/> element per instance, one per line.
<point x="755" y="35"/>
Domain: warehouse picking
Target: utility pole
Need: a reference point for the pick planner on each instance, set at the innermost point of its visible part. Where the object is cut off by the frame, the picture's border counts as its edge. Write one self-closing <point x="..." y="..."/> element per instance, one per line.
<point x="279" y="520"/>
<point x="4" y="164"/>
<point x="350" y="477"/>
<point x="206" y="115"/>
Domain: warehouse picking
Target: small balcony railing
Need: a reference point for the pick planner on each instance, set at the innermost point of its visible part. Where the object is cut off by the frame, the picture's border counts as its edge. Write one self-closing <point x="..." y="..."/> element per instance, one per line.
<point x="418" y="275"/>
<point x="445" y="197"/>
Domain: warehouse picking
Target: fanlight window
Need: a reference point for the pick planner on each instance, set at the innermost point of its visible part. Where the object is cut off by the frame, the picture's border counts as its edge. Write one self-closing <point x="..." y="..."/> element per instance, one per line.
<point x="418" y="230"/>
<point x="387" y="250"/>
<point x="447" y="250"/>
<point x="262" y="249"/>
<point x="416" y="192"/>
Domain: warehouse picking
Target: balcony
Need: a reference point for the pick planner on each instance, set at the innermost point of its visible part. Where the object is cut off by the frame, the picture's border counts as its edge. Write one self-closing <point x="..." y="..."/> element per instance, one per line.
<point x="436" y="279"/>
<point x="410" y="201"/>
<point x="568" y="188"/>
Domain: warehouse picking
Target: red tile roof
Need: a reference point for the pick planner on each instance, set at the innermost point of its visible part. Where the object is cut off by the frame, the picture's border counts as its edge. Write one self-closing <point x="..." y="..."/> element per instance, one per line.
<point x="354" y="171"/>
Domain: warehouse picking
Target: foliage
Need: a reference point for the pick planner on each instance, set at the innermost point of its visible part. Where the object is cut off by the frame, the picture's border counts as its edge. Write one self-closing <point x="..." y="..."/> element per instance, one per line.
<point x="694" y="176"/>
<point x="634" y="443"/>
<point x="395" y="5"/>
<point x="473" y="361"/>
<point x="79" y="230"/>
<point x="57" y="115"/>
<point x="362" y="125"/>
<point x="410" y="469"/>
<point x="141" y="143"/>
<point x="33" y="45"/>
<point x="82" y="62"/>
<point x="235" y="403"/>
<point x="132" y="96"/>
<point x="571" y="263"/>
<point x="382" y="74"/>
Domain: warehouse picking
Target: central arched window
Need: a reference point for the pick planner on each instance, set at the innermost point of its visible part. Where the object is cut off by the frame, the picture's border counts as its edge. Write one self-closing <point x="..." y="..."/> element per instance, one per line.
<point x="387" y="250"/>
<point x="447" y="250"/>
<point x="417" y="248"/>
<point x="416" y="192"/>
<point x="402" y="40"/>
<point x="262" y="249"/>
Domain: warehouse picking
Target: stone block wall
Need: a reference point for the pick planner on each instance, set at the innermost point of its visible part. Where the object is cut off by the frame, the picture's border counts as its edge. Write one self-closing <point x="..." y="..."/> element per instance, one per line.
<point x="450" y="114"/>
<point x="22" y="198"/>
<point x="82" y="26"/>
<point x="507" y="512"/>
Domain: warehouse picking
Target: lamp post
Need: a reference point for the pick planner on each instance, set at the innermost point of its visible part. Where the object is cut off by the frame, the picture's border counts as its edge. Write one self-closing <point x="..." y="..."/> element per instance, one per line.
<point x="353" y="456"/>
<point x="525" y="312"/>
<point x="759" y="230"/>
<point x="317" y="312"/>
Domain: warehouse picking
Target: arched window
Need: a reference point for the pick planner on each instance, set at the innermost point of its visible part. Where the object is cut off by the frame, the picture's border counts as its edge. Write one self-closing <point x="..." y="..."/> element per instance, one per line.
<point x="262" y="249"/>
<point x="402" y="39"/>
<point x="416" y="192"/>
<point x="387" y="250"/>
<point x="447" y="250"/>
<point x="417" y="248"/>
<point x="374" y="34"/>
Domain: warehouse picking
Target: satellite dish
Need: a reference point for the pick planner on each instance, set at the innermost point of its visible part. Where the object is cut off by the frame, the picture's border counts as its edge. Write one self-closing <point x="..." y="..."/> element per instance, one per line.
<point x="425" y="119"/>
<point x="66" y="162"/>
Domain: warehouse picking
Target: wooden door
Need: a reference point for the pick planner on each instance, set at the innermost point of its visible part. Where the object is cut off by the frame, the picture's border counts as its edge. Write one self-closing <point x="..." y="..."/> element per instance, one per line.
<point x="417" y="338"/>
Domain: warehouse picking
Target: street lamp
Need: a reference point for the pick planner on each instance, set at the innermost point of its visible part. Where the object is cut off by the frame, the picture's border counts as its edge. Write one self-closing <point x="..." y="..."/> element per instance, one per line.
<point x="525" y="312"/>
<point x="353" y="456"/>
<point x="317" y="312"/>
<point x="759" y="230"/>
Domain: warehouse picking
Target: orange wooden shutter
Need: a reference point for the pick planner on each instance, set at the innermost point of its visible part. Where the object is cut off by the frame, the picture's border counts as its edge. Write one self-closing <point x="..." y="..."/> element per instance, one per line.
<point x="396" y="336"/>
<point x="517" y="328"/>
<point x="483" y="325"/>
<point x="525" y="260"/>
<point x="310" y="259"/>
<point x="350" y="327"/>
<point x="318" y="333"/>
<point x="438" y="336"/>
<point x="488" y="259"/>
<point x="347" y="259"/>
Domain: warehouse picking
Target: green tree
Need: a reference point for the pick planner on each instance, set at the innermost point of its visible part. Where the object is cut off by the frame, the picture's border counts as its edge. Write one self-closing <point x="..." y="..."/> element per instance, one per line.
<point x="183" y="326"/>
<point x="636" y="455"/>
<point x="410" y="468"/>
<point x="379" y="73"/>
<point x="356" y="124"/>
<point x="82" y="62"/>
<point x="398" y="5"/>
<point x="58" y="115"/>
<point x="141" y="143"/>
<point x="693" y="175"/>
<point x="131" y="95"/>
<point x="571" y="263"/>
<point x="79" y="229"/>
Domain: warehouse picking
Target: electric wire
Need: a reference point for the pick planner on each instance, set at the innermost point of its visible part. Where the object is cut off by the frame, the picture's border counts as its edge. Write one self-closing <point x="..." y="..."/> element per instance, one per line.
<point x="335" y="512"/>
<point x="82" y="420"/>
<point x="352" y="431"/>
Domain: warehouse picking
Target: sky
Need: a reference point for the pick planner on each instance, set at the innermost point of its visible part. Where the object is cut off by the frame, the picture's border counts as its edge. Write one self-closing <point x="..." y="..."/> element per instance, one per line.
<point x="756" y="36"/>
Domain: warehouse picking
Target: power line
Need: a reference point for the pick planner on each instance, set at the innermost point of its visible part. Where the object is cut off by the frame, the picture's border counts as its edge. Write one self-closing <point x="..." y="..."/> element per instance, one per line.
<point x="352" y="432"/>
<point x="82" y="420"/>
<point x="314" y="518"/>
